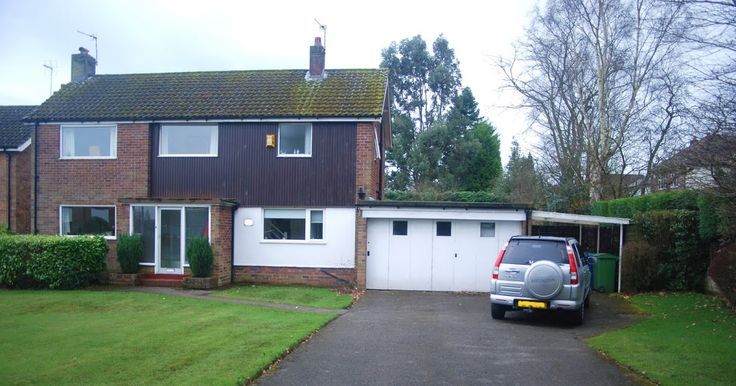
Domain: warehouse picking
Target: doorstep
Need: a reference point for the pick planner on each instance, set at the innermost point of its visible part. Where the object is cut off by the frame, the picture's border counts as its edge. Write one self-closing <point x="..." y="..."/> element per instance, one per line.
<point x="161" y="280"/>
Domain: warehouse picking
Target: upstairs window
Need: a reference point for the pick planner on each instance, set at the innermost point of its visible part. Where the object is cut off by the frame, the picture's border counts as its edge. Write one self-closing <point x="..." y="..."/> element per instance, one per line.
<point x="89" y="141"/>
<point x="295" y="140"/>
<point x="188" y="141"/>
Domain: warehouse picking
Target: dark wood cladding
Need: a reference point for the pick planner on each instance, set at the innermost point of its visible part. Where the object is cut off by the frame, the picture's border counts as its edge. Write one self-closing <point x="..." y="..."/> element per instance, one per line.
<point x="253" y="174"/>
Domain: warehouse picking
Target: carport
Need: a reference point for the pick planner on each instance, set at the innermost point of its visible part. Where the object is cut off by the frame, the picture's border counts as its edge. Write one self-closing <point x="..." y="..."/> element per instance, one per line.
<point x="582" y="219"/>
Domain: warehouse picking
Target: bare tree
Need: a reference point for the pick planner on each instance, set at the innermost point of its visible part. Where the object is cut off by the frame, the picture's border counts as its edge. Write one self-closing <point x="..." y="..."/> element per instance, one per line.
<point x="601" y="80"/>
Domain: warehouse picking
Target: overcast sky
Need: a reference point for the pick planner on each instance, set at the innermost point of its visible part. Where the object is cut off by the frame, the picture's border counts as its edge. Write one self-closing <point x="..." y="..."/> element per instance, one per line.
<point x="138" y="36"/>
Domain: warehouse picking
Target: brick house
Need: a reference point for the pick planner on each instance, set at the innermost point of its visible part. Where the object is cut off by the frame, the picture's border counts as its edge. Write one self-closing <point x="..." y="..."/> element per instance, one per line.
<point x="268" y="165"/>
<point x="15" y="169"/>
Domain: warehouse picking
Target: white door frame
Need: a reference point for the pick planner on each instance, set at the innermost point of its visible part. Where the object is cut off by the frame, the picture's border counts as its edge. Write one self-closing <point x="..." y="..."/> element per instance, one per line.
<point x="182" y="240"/>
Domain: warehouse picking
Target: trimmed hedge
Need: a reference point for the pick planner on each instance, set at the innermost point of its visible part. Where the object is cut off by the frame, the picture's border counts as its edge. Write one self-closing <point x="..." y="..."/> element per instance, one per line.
<point x="707" y="206"/>
<point x="130" y="252"/>
<point x="671" y="255"/>
<point x="442" y="196"/>
<point x="51" y="261"/>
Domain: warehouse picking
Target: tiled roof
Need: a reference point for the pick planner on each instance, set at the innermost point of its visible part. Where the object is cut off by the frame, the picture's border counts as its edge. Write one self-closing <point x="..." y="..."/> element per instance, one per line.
<point x="12" y="131"/>
<point x="217" y="95"/>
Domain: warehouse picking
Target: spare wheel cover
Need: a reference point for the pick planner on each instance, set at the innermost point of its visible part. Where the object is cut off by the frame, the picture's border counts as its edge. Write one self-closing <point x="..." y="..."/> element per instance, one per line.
<point x="543" y="279"/>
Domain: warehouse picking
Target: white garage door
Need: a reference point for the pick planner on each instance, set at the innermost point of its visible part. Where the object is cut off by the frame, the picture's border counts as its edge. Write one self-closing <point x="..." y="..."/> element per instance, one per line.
<point x="434" y="255"/>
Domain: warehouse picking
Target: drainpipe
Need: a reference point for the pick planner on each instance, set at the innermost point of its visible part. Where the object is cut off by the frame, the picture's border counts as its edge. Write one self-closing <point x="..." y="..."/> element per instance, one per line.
<point x="232" y="245"/>
<point x="35" y="178"/>
<point x="7" y="154"/>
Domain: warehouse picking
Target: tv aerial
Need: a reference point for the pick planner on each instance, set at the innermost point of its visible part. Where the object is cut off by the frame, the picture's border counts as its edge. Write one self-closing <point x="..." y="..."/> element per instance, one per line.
<point x="92" y="36"/>
<point x="50" y="67"/>
<point x="324" y="33"/>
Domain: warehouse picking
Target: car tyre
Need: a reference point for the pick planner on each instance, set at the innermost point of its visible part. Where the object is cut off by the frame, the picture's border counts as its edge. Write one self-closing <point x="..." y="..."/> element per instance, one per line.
<point x="587" y="300"/>
<point x="577" y="316"/>
<point x="498" y="311"/>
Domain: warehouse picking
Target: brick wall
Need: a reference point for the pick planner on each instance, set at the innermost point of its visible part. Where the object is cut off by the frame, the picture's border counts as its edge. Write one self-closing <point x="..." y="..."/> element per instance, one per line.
<point x="20" y="190"/>
<point x="221" y="233"/>
<point x="367" y="167"/>
<point x="367" y="174"/>
<point x="316" y="277"/>
<point x="93" y="181"/>
<point x="20" y="206"/>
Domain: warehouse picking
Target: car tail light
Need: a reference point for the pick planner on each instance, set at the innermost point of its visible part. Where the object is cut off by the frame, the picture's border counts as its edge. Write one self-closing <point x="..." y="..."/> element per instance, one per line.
<point x="498" y="261"/>
<point x="573" y="266"/>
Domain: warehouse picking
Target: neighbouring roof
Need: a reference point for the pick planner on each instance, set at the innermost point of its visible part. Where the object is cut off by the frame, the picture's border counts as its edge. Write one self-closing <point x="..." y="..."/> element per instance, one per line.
<point x="218" y="95"/>
<point x="13" y="133"/>
<point x="441" y="204"/>
<point x="711" y="150"/>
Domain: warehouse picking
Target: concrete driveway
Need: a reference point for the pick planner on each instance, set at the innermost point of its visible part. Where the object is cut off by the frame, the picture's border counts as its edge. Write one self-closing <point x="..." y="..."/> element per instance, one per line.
<point x="412" y="338"/>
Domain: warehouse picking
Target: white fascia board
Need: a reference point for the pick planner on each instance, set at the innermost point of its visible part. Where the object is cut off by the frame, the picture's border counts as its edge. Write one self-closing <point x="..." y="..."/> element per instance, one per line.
<point x="446" y="214"/>
<point x="279" y="120"/>
<point x="570" y="218"/>
<point x="24" y="145"/>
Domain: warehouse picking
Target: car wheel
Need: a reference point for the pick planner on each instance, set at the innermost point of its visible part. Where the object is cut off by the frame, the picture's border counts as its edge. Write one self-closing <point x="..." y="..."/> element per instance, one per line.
<point x="577" y="316"/>
<point x="587" y="300"/>
<point x="498" y="311"/>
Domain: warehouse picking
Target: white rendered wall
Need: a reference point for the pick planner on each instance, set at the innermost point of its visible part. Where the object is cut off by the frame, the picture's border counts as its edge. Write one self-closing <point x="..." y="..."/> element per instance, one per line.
<point x="337" y="250"/>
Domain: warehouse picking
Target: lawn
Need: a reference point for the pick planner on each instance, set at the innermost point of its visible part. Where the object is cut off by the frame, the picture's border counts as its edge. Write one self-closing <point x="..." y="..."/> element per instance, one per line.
<point x="299" y="296"/>
<point x="688" y="339"/>
<point x="96" y="337"/>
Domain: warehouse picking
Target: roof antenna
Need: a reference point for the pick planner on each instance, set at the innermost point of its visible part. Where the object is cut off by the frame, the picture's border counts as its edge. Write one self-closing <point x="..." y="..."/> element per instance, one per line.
<point x="50" y="67"/>
<point x="324" y="33"/>
<point x="93" y="36"/>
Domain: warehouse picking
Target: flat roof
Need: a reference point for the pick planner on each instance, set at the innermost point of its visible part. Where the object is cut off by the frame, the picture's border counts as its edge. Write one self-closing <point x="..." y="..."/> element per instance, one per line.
<point x="441" y="204"/>
<point x="570" y="218"/>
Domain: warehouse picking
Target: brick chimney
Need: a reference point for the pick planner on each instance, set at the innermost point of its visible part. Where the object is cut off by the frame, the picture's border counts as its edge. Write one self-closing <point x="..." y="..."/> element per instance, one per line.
<point x="316" y="60"/>
<point x="83" y="65"/>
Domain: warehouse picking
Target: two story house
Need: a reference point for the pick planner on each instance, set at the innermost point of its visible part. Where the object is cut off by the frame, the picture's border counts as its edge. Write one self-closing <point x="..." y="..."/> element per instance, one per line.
<point x="268" y="165"/>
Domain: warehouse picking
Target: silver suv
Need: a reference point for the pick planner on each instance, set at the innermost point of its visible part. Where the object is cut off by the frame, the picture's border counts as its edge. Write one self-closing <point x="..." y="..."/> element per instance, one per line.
<point x="541" y="273"/>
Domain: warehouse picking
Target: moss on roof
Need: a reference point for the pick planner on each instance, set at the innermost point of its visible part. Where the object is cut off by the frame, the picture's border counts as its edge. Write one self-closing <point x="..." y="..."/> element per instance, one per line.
<point x="217" y="95"/>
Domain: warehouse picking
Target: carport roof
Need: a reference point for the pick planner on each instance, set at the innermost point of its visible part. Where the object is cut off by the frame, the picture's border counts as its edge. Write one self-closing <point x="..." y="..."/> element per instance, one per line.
<point x="570" y="218"/>
<point x="441" y="204"/>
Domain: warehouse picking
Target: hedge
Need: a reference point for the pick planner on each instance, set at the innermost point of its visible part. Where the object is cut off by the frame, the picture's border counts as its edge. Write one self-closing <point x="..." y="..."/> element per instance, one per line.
<point x="671" y="256"/>
<point x="130" y="252"/>
<point x="706" y="205"/>
<point x="442" y="196"/>
<point x="51" y="261"/>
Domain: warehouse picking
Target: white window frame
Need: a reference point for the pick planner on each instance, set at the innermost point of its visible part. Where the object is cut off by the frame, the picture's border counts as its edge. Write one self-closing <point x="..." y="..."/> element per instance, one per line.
<point x="307" y="228"/>
<point x="377" y="144"/>
<point x="61" y="219"/>
<point x="214" y="141"/>
<point x="156" y="207"/>
<point x="113" y="142"/>
<point x="311" y="141"/>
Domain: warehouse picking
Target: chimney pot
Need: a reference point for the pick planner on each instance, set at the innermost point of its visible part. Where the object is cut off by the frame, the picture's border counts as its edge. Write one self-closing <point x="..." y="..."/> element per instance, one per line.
<point x="83" y="65"/>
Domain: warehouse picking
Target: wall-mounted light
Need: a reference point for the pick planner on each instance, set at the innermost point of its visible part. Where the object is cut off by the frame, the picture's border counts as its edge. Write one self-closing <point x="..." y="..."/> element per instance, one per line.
<point x="270" y="141"/>
<point x="361" y="193"/>
<point x="248" y="222"/>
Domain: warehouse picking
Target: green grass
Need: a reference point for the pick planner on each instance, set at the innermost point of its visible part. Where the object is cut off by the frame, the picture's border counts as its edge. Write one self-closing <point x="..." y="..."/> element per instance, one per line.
<point x="91" y="337"/>
<point x="689" y="339"/>
<point x="298" y="296"/>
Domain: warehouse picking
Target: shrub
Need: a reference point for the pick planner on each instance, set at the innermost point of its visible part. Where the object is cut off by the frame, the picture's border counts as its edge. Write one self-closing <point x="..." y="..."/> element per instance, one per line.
<point x="53" y="261"/>
<point x="723" y="271"/>
<point x="130" y="252"/>
<point x="639" y="272"/>
<point x="708" y="217"/>
<point x="199" y="253"/>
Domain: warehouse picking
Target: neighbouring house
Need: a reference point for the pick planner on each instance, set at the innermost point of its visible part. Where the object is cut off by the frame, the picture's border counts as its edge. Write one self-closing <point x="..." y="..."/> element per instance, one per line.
<point x="15" y="169"/>
<point x="268" y="165"/>
<point x="616" y="185"/>
<point x="698" y="165"/>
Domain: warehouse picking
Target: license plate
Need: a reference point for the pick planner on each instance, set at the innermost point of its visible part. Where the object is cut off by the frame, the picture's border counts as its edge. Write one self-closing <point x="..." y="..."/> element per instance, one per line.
<point x="531" y="304"/>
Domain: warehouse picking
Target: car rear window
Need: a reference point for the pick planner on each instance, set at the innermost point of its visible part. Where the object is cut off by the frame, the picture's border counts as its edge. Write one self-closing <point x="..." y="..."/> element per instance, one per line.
<point x="529" y="251"/>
